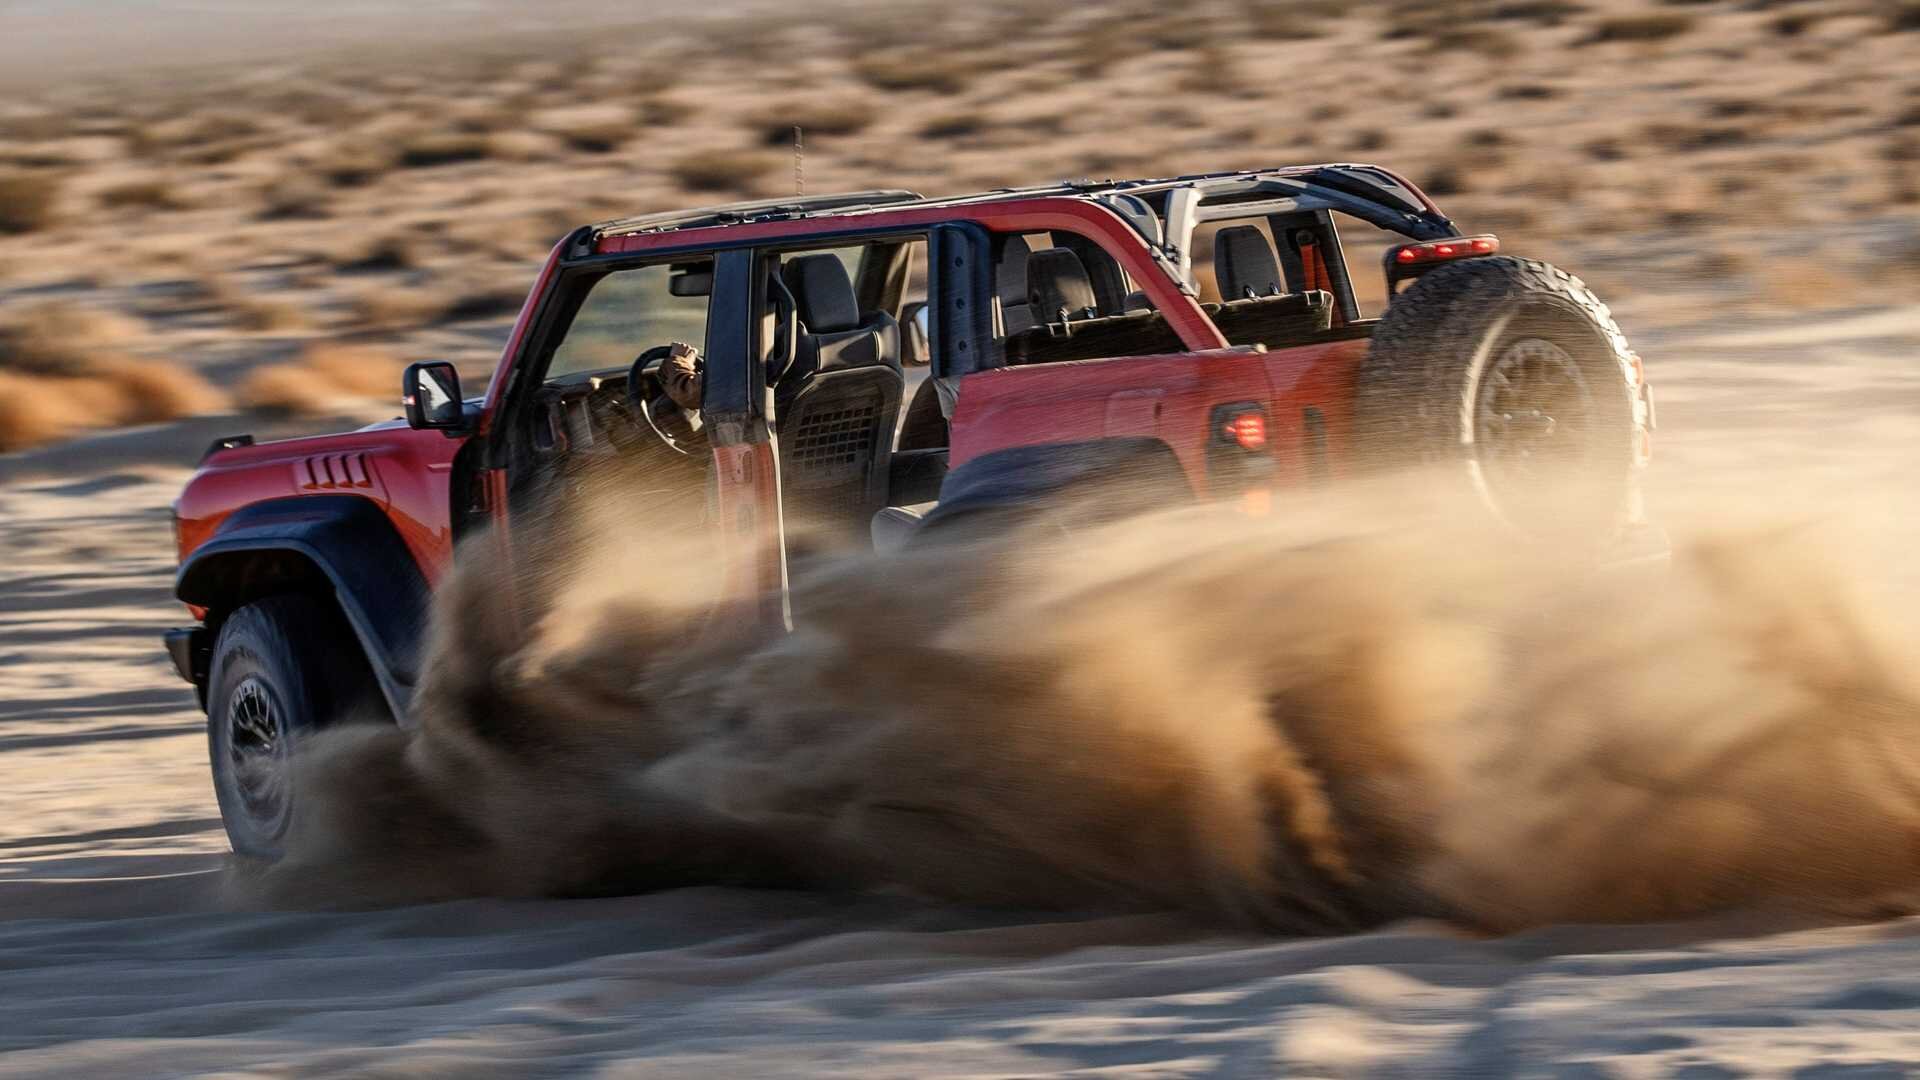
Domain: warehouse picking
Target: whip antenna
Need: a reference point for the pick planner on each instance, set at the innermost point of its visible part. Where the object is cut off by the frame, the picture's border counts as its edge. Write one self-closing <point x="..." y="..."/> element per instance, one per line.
<point x="799" y="163"/>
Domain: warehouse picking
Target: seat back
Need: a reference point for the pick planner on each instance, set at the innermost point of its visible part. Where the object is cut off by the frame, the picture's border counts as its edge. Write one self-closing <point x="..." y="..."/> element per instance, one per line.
<point x="841" y="401"/>
<point x="1244" y="265"/>
<point x="1069" y="326"/>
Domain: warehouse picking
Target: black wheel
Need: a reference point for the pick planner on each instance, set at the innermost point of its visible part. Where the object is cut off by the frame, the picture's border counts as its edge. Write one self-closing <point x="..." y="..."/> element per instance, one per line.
<point x="1514" y="371"/>
<point x="283" y="668"/>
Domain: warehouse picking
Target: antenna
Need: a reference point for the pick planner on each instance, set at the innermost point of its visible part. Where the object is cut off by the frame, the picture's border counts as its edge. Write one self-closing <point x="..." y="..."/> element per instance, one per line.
<point x="799" y="162"/>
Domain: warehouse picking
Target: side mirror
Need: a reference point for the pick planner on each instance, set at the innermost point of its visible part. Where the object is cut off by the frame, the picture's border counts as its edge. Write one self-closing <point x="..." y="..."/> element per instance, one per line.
<point x="431" y="392"/>
<point x="914" y="350"/>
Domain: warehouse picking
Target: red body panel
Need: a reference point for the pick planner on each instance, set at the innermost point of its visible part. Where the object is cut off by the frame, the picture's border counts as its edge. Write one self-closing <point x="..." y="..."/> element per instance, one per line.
<point x="1170" y="398"/>
<point x="403" y="470"/>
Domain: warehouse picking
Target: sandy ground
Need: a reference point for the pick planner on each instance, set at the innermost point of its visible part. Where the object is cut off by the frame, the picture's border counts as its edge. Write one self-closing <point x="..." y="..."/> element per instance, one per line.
<point x="117" y="959"/>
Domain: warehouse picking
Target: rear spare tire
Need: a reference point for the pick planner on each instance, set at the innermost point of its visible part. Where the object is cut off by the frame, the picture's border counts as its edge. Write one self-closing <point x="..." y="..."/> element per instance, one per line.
<point x="283" y="668"/>
<point x="1513" y="373"/>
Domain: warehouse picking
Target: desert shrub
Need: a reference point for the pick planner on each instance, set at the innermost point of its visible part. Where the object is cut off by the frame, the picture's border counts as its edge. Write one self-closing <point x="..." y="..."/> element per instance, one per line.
<point x="389" y="251"/>
<point x="1645" y="26"/>
<point x="323" y="378"/>
<point x="207" y="136"/>
<point x="1691" y="138"/>
<point x="1282" y="20"/>
<point x="27" y="202"/>
<point x="774" y="127"/>
<point x="35" y="411"/>
<point x="934" y="70"/>
<point x="354" y="163"/>
<point x="1795" y="23"/>
<point x="147" y="193"/>
<point x="1547" y="11"/>
<point x="61" y="339"/>
<point x="427" y="150"/>
<point x="1484" y="41"/>
<point x="1606" y="148"/>
<point x="485" y="300"/>
<point x="262" y="315"/>
<point x="1444" y="179"/>
<point x="724" y="170"/>
<point x="590" y="129"/>
<point x="1368" y="141"/>
<point x="954" y="125"/>
<point x="1902" y="15"/>
<point x="392" y="308"/>
<point x="40" y="408"/>
<point x="1104" y="43"/>
<point x="292" y="196"/>
<point x="151" y="391"/>
<point x="601" y="137"/>
<point x="662" y="110"/>
<point x="1527" y="91"/>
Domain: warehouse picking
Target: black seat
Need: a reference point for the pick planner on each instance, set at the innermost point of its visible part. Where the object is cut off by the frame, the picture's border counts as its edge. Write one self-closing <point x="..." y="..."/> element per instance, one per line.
<point x="1243" y="264"/>
<point x="1255" y="306"/>
<point x="838" y="404"/>
<point x="1058" y="288"/>
<point x="1061" y="296"/>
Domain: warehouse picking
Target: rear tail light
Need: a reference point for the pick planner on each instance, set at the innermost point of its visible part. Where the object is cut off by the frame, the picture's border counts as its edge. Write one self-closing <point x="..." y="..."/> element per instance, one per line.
<point x="1247" y="429"/>
<point x="1238" y="460"/>
<point x="1412" y="260"/>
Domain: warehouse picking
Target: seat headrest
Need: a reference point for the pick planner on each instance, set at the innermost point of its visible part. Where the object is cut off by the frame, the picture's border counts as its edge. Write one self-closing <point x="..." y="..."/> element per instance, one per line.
<point x="823" y="293"/>
<point x="1058" y="286"/>
<point x="1243" y="264"/>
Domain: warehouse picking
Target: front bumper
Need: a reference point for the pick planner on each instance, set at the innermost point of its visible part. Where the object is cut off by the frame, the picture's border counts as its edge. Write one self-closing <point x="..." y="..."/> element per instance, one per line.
<point x="192" y="654"/>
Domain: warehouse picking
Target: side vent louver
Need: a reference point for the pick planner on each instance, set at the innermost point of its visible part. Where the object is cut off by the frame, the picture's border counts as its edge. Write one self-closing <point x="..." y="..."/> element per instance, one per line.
<point x="330" y="472"/>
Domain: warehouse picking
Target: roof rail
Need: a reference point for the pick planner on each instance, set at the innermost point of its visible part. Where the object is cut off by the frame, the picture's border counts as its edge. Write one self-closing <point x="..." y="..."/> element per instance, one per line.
<point x="733" y="213"/>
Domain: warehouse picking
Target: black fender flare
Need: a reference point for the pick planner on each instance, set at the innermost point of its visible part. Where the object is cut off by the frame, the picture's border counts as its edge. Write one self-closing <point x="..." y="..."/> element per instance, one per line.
<point x="1045" y="474"/>
<point x="341" y="542"/>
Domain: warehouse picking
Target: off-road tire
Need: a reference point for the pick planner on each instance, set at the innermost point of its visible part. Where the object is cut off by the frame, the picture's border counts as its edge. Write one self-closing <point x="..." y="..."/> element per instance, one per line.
<point x="1428" y="390"/>
<point x="283" y="668"/>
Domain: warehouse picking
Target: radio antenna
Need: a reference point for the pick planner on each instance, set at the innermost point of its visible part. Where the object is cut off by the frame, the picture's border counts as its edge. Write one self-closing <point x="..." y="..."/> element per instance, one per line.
<point x="799" y="163"/>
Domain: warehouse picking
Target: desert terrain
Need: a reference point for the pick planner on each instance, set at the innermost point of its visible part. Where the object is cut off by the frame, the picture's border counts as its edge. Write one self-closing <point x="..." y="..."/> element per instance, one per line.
<point x="213" y="242"/>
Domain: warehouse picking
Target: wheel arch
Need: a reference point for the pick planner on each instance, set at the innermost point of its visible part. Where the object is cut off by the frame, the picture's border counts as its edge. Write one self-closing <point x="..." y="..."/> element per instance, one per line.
<point x="1045" y="473"/>
<point x="341" y="547"/>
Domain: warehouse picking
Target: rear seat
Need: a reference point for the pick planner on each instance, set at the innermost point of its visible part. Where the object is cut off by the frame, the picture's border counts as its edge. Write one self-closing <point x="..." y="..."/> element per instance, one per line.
<point x="1255" y="305"/>
<point x="1061" y="298"/>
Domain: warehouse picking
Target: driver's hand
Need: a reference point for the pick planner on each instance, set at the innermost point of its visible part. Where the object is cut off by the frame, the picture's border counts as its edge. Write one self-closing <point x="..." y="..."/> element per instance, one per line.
<point x="681" y="376"/>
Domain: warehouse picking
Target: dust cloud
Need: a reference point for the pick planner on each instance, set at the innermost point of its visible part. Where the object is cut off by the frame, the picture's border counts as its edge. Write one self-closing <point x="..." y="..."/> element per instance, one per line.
<point x="1359" y="708"/>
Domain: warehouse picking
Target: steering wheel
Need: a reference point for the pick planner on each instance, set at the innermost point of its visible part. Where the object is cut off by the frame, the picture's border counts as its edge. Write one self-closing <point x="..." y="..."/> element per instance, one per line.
<point x="660" y="412"/>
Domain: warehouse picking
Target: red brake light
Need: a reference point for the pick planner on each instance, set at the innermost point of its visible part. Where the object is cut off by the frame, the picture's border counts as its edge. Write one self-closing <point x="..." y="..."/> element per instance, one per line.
<point x="1441" y="250"/>
<point x="1248" y="429"/>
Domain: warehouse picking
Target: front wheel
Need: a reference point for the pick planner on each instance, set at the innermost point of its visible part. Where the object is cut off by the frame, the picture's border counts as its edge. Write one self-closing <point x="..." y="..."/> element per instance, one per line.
<point x="283" y="668"/>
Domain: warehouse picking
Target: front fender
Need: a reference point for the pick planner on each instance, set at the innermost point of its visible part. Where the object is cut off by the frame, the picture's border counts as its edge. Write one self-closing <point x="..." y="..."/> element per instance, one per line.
<point x="343" y="542"/>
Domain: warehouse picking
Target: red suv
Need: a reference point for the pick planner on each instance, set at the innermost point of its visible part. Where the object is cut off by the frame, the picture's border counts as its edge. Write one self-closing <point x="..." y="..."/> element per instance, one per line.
<point x="888" y="368"/>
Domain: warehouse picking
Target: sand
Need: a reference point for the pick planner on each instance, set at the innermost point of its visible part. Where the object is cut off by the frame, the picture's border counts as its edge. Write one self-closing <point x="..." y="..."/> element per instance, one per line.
<point x="118" y="958"/>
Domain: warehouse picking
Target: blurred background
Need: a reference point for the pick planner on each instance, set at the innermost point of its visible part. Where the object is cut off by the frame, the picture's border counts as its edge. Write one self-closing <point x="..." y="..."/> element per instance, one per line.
<point x="219" y="207"/>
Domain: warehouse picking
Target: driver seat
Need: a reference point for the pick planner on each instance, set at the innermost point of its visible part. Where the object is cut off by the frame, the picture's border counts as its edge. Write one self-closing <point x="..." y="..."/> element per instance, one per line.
<point x="841" y="404"/>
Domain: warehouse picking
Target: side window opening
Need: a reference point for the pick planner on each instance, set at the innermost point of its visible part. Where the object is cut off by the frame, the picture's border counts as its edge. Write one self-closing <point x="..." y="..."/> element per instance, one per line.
<point x="839" y="387"/>
<point x="1063" y="297"/>
<point x="629" y="311"/>
<point x="1287" y="279"/>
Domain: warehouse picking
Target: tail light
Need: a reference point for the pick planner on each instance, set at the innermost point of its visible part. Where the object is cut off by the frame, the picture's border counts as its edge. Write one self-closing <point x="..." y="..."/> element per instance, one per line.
<point x="1412" y="260"/>
<point x="1238" y="459"/>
